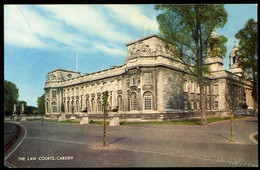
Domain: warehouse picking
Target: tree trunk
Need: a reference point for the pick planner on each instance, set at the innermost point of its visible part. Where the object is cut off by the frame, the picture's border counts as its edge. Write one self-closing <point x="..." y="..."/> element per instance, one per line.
<point x="202" y="106"/>
<point x="104" y="138"/>
<point x="232" y="124"/>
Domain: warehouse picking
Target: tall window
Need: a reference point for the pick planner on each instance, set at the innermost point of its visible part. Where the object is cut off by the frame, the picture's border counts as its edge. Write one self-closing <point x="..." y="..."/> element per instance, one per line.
<point x="208" y="89"/>
<point x="198" y="104"/>
<point x="147" y="78"/>
<point x="77" y="106"/>
<point x="192" y="104"/>
<point x="47" y="107"/>
<point x="192" y="87"/>
<point x="148" y="101"/>
<point x="92" y="104"/>
<point x="68" y="107"/>
<point x="99" y="104"/>
<point x="185" y="104"/>
<point x="87" y="104"/>
<point x="234" y="60"/>
<point x="54" y="107"/>
<point x="215" y="105"/>
<point x="134" y="80"/>
<point x="215" y="89"/>
<point x="53" y="94"/>
<point x="134" y="101"/>
<point x="198" y="88"/>
<point x="185" y="86"/>
<point x="110" y="101"/>
<point x="208" y="105"/>
<point x="120" y="102"/>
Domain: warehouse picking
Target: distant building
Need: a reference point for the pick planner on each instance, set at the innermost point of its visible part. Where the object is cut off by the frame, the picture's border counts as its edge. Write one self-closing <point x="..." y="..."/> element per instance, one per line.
<point x="150" y="85"/>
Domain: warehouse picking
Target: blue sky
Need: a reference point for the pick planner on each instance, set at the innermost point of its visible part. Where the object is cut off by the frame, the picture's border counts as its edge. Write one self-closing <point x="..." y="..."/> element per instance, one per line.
<point x="42" y="38"/>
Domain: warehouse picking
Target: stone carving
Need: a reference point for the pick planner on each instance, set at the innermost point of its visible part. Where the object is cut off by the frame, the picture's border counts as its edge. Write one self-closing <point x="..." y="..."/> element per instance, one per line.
<point x="139" y="47"/>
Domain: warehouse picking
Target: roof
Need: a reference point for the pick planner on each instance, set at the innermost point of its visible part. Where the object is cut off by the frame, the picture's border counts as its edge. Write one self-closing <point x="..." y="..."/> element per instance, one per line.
<point x="143" y="38"/>
<point x="64" y="70"/>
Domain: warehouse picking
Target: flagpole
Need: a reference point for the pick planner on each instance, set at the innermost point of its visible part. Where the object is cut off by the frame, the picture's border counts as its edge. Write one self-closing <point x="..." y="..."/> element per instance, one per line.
<point x="77" y="61"/>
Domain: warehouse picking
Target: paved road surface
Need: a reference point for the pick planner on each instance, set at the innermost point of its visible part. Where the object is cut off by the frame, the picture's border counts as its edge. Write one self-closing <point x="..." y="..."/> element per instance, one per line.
<point x="75" y="145"/>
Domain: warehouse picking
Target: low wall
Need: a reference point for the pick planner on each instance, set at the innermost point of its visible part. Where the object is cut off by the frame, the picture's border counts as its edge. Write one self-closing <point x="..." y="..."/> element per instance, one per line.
<point x="130" y="117"/>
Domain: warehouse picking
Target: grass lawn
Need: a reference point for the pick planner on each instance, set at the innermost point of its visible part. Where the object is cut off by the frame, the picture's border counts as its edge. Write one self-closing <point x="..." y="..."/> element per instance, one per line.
<point x="195" y="121"/>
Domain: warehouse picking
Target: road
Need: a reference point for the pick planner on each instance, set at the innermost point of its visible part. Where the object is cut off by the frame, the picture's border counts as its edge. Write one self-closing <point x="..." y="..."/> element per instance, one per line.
<point x="77" y="145"/>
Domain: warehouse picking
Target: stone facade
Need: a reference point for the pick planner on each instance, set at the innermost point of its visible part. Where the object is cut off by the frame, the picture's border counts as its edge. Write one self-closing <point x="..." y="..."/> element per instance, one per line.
<point x="150" y="85"/>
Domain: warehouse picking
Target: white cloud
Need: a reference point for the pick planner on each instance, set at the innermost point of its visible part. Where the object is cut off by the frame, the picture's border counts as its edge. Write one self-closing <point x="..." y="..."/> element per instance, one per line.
<point x="87" y="19"/>
<point x="17" y="31"/>
<point x="58" y="28"/>
<point x="133" y="15"/>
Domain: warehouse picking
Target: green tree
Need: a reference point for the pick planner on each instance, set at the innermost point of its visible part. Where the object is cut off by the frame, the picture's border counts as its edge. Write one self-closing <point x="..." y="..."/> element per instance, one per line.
<point x="105" y="111"/>
<point x="11" y="94"/>
<point x="231" y="102"/>
<point x="41" y="104"/>
<point x="186" y="30"/>
<point x="19" y="106"/>
<point x="30" y="110"/>
<point x="248" y="55"/>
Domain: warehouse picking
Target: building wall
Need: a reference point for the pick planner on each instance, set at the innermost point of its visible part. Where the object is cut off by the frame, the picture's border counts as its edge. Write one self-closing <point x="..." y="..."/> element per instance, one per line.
<point x="149" y="82"/>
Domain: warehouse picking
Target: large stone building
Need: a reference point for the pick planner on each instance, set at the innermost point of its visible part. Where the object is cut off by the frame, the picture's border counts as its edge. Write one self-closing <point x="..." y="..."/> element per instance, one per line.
<point x="150" y="85"/>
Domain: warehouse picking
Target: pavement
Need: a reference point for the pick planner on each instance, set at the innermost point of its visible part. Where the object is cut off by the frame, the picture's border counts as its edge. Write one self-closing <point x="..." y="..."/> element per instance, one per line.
<point x="79" y="145"/>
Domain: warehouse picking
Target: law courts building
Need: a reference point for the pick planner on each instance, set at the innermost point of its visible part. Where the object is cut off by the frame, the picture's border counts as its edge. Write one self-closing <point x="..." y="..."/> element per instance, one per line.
<point x="150" y="85"/>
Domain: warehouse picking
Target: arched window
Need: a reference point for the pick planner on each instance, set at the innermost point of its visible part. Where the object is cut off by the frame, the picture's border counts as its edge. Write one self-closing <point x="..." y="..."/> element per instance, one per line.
<point x="92" y="104"/>
<point x="77" y="106"/>
<point x="87" y="105"/>
<point x="99" y="104"/>
<point x="110" y="100"/>
<point x="47" y="107"/>
<point x="147" y="101"/>
<point x="134" y="101"/>
<point x="80" y="105"/>
<point x="72" y="106"/>
<point x="120" y="103"/>
<point x="54" y="107"/>
<point x="68" y="106"/>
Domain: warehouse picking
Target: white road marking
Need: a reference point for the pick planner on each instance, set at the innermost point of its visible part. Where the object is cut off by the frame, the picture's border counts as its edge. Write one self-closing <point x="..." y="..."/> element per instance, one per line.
<point x="19" y="142"/>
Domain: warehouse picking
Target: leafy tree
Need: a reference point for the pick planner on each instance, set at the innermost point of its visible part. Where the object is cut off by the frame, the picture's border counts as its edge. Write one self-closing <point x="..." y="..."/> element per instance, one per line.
<point x="19" y="106"/>
<point x="11" y="94"/>
<point x="105" y="111"/>
<point x="248" y="55"/>
<point x="41" y="104"/>
<point x="231" y="98"/>
<point x="186" y="30"/>
<point x="30" y="110"/>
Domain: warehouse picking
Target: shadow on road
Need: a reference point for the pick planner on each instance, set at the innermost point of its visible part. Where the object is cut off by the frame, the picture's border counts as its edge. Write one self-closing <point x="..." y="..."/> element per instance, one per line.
<point x="222" y="137"/>
<point x="252" y="121"/>
<point x="118" y="139"/>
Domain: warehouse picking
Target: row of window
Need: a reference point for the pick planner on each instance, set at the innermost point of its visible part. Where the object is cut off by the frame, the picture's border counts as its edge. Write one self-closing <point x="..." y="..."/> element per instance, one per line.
<point x="147" y="101"/>
<point x="196" y="105"/>
<point x="134" y="103"/>
<point x="147" y="77"/>
<point x="194" y="86"/>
